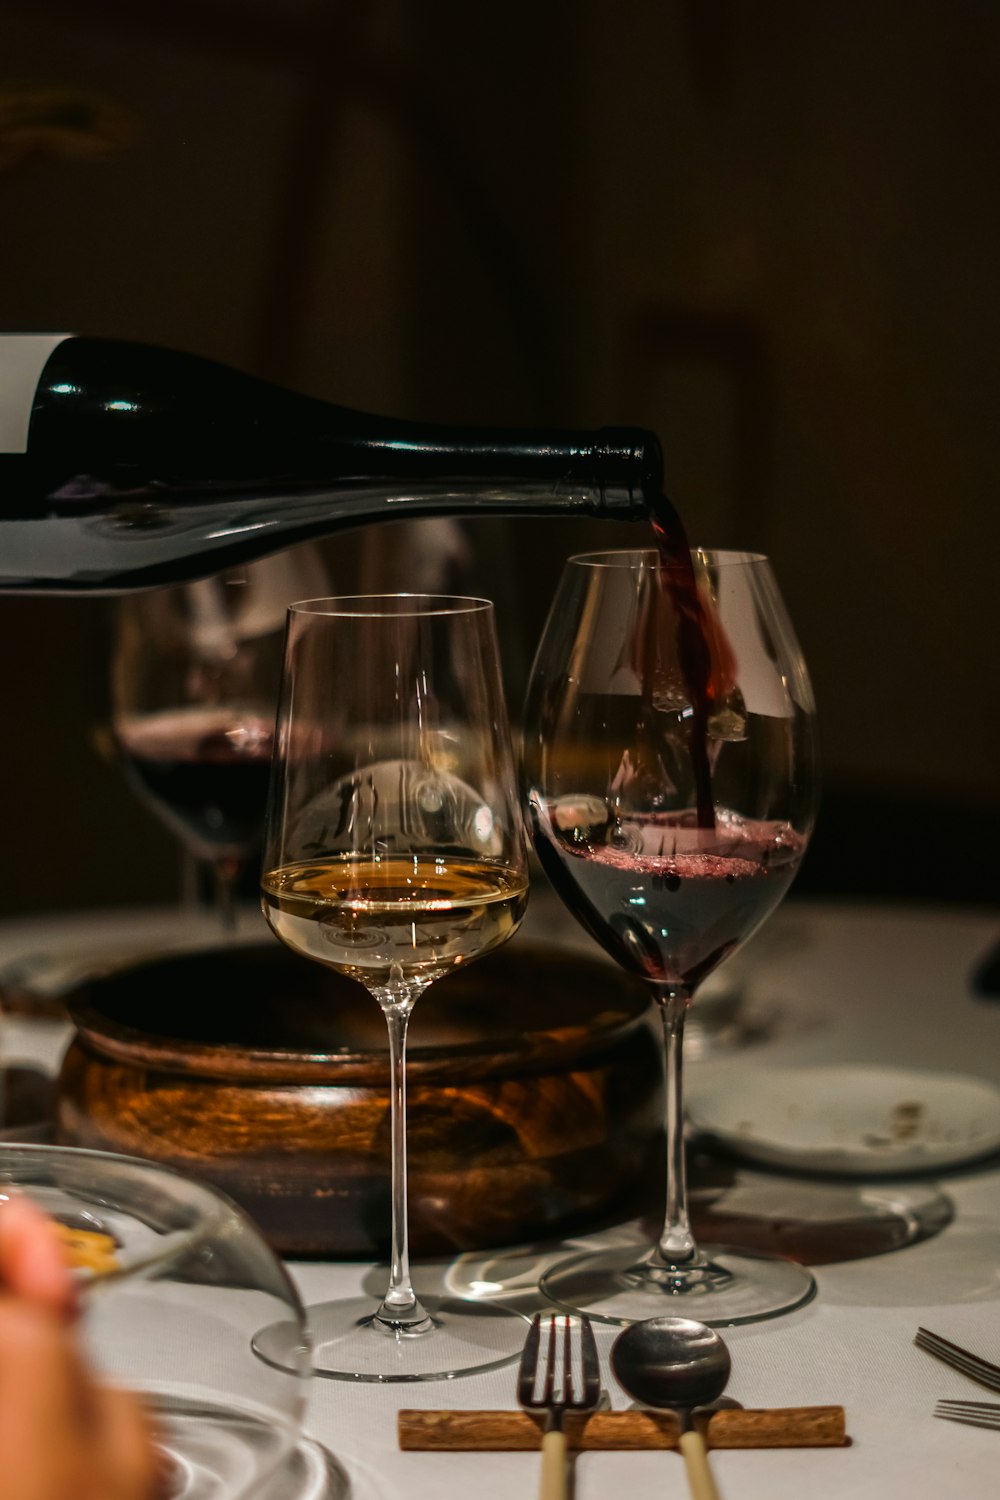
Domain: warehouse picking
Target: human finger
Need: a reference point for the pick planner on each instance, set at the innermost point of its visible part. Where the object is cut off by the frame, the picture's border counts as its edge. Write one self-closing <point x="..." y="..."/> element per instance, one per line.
<point x="43" y="1405"/>
<point x="32" y="1260"/>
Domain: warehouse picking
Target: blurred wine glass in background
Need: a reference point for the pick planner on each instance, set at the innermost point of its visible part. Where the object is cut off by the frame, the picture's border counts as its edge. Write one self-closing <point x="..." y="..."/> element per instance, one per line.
<point x="194" y="686"/>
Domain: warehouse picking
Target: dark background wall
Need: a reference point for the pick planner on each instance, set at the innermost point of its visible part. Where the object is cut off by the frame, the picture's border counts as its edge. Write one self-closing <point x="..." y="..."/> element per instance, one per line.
<point x="769" y="232"/>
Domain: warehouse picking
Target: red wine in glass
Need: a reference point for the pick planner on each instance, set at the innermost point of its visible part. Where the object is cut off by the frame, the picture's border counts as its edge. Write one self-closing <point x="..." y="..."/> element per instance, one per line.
<point x="667" y="909"/>
<point x="204" y="772"/>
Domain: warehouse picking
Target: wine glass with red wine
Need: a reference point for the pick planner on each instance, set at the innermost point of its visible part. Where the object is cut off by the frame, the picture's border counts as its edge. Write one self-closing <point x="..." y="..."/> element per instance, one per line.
<point x="670" y="775"/>
<point x="395" y="852"/>
<point x="194" y="687"/>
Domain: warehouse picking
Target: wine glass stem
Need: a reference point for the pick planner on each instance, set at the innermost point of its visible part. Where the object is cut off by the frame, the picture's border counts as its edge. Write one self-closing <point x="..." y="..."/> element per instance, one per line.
<point x="400" y="1304"/>
<point x="676" y="1244"/>
<point x="226" y="873"/>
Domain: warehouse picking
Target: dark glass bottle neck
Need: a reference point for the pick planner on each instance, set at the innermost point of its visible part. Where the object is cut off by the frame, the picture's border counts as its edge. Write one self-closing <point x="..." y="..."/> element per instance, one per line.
<point x="622" y="466"/>
<point x="179" y="420"/>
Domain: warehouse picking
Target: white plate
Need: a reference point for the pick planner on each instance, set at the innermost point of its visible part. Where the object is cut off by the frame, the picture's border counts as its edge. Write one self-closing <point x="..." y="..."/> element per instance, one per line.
<point x="860" y="1119"/>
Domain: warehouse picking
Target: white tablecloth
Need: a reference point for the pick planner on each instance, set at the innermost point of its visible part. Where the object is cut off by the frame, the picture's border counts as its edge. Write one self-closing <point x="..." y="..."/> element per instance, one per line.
<point x="847" y="983"/>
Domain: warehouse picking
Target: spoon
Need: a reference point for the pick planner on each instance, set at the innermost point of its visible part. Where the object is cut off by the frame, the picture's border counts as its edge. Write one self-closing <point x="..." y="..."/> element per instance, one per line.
<point x="679" y="1364"/>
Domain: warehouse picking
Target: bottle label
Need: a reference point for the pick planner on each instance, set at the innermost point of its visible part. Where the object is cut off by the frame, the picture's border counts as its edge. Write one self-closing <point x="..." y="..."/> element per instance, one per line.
<point x="23" y="357"/>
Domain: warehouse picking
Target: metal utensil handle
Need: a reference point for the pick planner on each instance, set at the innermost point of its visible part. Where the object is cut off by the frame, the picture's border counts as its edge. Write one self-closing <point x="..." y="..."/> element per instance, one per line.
<point x="552" y="1485"/>
<point x="700" y="1480"/>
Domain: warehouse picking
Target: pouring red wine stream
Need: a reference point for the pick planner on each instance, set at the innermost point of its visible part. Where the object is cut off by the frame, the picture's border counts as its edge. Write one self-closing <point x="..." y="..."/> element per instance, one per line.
<point x="678" y="581"/>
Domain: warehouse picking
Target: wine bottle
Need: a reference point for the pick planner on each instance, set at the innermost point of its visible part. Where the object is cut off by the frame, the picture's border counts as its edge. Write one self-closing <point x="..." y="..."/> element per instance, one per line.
<point x="124" y="466"/>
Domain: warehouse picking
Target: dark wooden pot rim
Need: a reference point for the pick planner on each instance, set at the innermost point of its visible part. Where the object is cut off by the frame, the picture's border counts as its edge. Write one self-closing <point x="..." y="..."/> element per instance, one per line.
<point x="530" y="1050"/>
<point x="232" y="1061"/>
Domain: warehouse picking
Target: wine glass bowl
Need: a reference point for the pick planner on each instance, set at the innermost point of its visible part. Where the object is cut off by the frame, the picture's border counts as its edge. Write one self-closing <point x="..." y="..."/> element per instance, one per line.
<point x="194" y="684"/>
<point x="395" y="853"/>
<point x="173" y="1281"/>
<point x="670" y="778"/>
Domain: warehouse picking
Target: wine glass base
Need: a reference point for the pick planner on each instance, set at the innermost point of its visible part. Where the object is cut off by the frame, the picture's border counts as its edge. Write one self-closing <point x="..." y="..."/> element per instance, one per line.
<point x="728" y="1286"/>
<point x="464" y="1338"/>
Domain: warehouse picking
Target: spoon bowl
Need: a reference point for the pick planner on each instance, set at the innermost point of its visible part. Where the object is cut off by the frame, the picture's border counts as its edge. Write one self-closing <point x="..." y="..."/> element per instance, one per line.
<point x="671" y="1362"/>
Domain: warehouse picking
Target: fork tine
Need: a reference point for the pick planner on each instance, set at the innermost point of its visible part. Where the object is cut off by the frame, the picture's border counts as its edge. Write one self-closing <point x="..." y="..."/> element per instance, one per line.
<point x="529" y="1361"/>
<point x="984" y="1406"/>
<point x="959" y="1359"/>
<point x="550" y="1365"/>
<point x="972" y="1413"/>
<point x="568" y="1389"/>
<point x="550" y="1344"/>
<point x="955" y="1362"/>
<point x="926" y="1339"/>
<point x="591" y="1363"/>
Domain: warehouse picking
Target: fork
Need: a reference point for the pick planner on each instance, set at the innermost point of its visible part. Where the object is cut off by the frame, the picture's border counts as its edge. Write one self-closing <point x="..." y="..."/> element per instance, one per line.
<point x="557" y="1391"/>
<point x="975" y="1413"/>
<point x="959" y="1359"/>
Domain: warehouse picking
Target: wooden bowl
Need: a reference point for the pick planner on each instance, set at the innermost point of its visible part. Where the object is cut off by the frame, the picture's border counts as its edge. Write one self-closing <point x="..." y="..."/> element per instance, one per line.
<point x="534" y="1094"/>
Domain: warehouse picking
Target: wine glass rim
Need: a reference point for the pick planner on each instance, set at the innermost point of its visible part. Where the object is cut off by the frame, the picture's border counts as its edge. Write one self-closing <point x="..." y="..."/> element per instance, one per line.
<point x="630" y="557"/>
<point x="212" y="1208"/>
<point x="391" y="606"/>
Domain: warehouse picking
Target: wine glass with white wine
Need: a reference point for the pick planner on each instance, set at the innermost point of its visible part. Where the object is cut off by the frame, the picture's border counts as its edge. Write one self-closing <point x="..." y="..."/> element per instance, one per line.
<point x="395" y="852"/>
